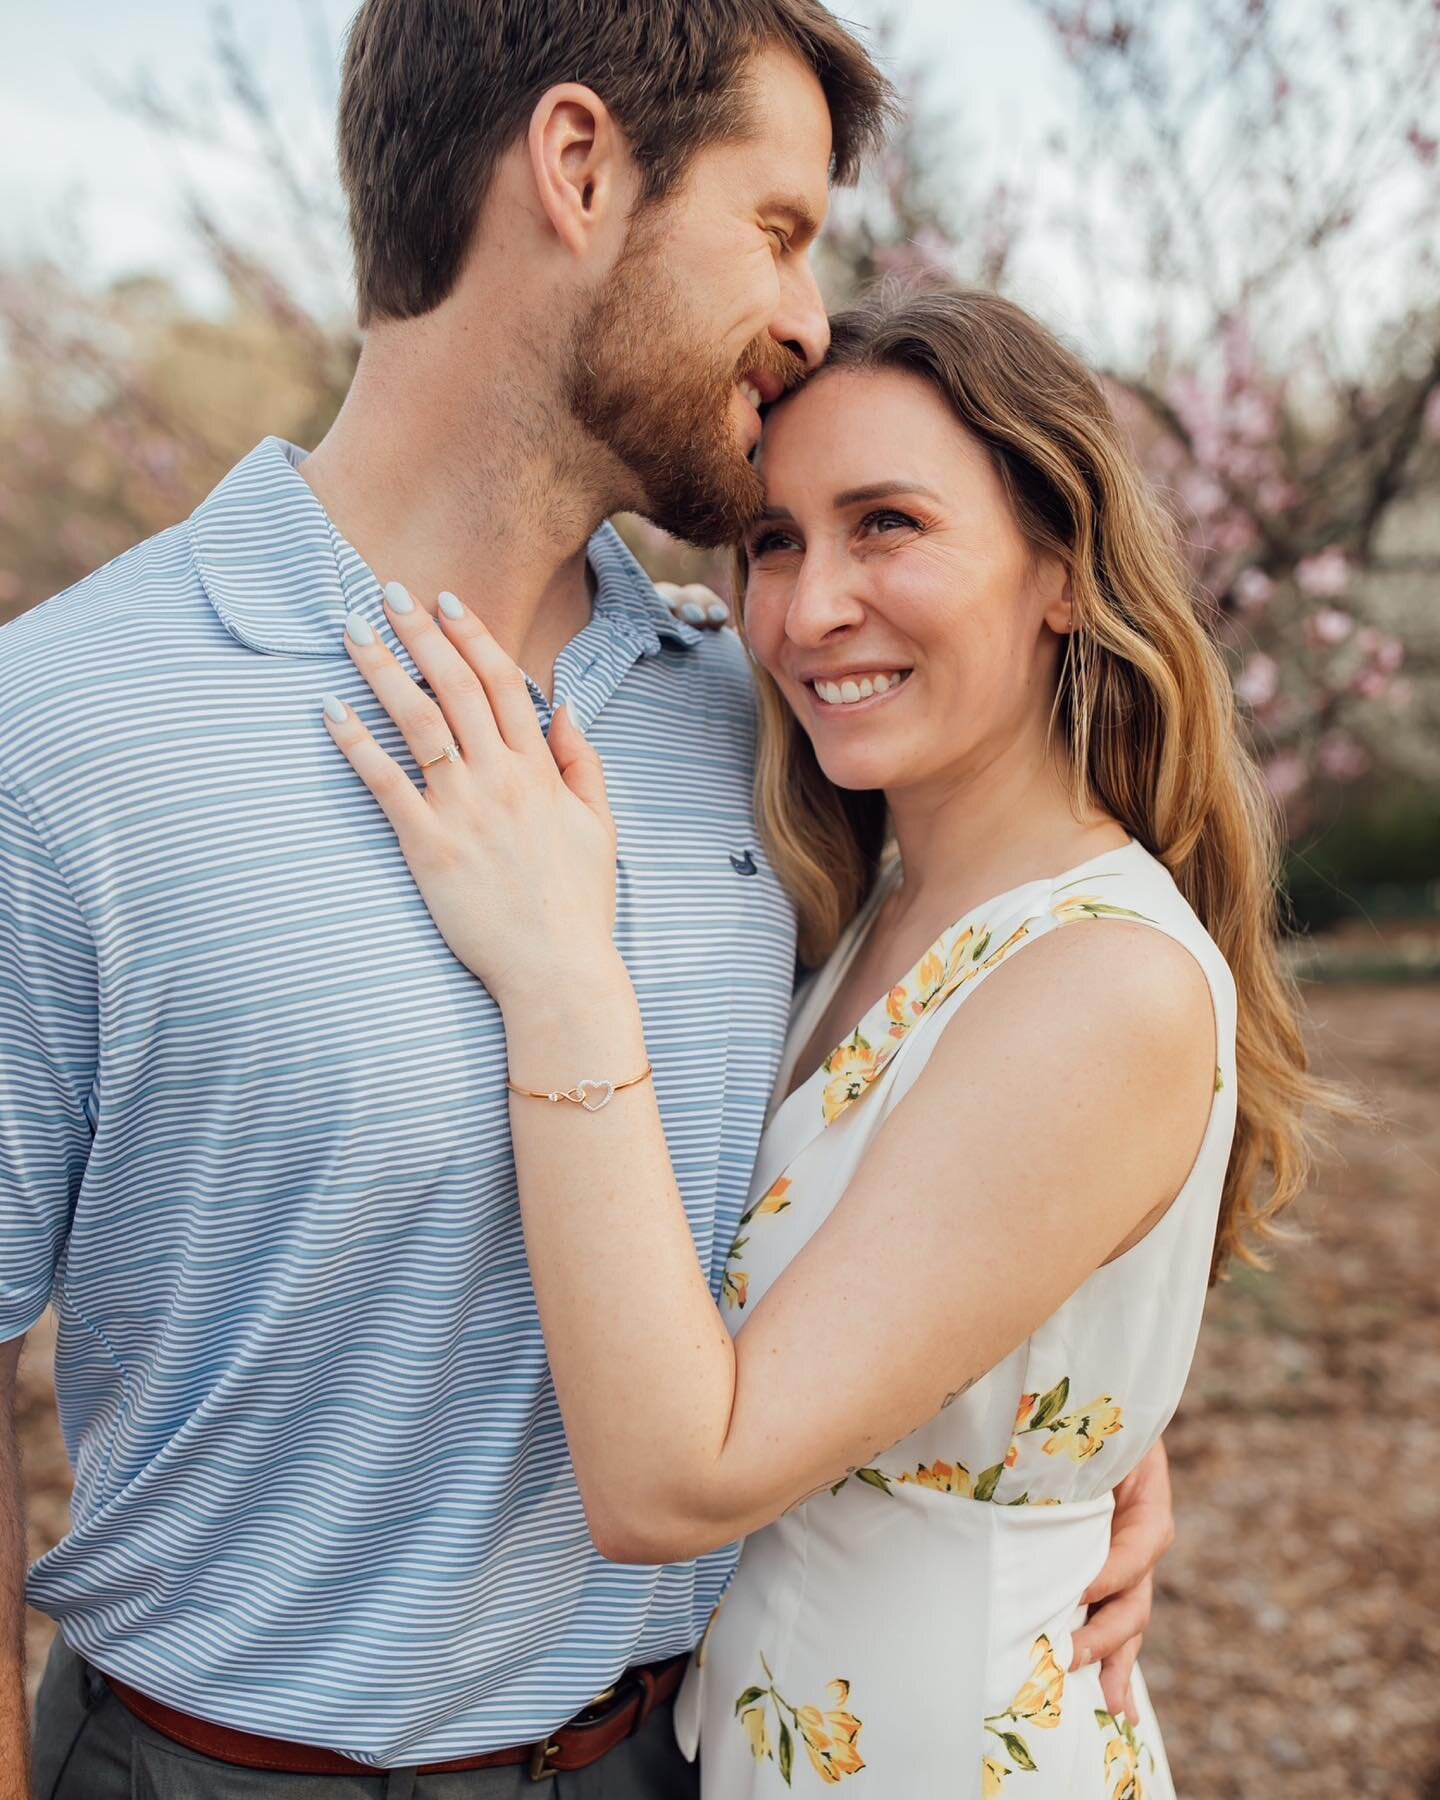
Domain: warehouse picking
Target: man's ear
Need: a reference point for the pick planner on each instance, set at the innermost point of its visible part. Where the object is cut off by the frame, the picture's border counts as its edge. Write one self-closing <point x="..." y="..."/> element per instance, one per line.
<point x="581" y="164"/>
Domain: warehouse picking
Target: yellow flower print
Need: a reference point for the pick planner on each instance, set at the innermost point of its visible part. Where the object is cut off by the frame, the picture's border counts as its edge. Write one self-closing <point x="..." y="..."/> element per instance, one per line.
<point x="1017" y="936"/>
<point x="757" y="1730"/>
<point x="1091" y="906"/>
<point x="1123" y="1755"/>
<point x="851" y="1068"/>
<point x="1036" y="1705"/>
<point x="943" y="1478"/>
<point x="831" y="1736"/>
<point x="1122" y="1771"/>
<point x="897" y="1010"/>
<point x="735" y="1283"/>
<point x="1039" y="1700"/>
<point x="1082" y="1434"/>
<point x="775" y="1200"/>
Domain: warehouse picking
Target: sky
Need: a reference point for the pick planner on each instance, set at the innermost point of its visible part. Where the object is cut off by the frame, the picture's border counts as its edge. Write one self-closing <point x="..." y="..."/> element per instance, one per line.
<point x="82" y="180"/>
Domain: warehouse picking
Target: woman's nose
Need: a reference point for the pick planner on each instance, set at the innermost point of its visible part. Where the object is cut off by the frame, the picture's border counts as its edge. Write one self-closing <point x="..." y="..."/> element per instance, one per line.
<point x="822" y="602"/>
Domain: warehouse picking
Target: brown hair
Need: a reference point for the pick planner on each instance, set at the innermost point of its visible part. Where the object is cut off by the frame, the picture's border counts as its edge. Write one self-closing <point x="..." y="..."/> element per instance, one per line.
<point x="435" y="91"/>
<point x="1144" y="704"/>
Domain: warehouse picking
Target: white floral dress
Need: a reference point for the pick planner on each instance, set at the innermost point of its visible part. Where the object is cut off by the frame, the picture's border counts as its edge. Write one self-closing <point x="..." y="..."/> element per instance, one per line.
<point x="908" y="1633"/>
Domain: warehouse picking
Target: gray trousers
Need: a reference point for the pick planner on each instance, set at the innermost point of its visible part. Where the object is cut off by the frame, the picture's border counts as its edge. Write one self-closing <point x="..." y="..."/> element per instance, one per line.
<point x="88" y="1746"/>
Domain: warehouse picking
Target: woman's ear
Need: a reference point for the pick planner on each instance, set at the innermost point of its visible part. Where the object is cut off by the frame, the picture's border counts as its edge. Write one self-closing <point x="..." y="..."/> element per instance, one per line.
<point x="580" y="162"/>
<point x="1059" y="612"/>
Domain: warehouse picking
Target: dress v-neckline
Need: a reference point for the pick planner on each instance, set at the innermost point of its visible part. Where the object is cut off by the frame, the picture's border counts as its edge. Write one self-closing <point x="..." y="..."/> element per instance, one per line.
<point x="959" y="955"/>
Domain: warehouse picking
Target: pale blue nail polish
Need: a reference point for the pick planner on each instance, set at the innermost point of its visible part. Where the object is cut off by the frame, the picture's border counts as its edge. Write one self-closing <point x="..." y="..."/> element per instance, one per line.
<point x="397" y="598"/>
<point x="719" y="612"/>
<point x="451" y="607"/>
<point x="335" y="709"/>
<point x="357" y="629"/>
<point x="692" y="614"/>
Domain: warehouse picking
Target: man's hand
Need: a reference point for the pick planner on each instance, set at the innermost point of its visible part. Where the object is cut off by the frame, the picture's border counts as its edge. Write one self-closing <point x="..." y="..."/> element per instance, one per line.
<point x="1120" y="1596"/>
<point x="14" y="1725"/>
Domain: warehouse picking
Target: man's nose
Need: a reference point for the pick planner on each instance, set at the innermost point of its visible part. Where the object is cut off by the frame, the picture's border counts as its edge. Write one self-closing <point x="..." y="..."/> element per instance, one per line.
<point x="801" y="324"/>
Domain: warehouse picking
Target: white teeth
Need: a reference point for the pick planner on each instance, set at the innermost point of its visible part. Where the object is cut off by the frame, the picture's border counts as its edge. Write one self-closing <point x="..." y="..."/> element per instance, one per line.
<point x="849" y="691"/>
<point x="751" y="393"/>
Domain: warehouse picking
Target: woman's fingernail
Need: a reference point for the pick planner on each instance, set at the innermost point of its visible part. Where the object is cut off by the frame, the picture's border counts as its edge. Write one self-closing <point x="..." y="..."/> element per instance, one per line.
<point x="719" y="612"/>
<point x="357" y="629"/>
<point x="397" y="597"/>
<point x="335" y="709"/>
<point x="692" y="614"/>
<point x="1082" y="1656"/>
<point x="451" y="607"/>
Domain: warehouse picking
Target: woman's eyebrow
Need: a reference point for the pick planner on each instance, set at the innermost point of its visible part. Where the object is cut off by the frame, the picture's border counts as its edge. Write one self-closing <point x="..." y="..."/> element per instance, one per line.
<point x="880" y="490"/>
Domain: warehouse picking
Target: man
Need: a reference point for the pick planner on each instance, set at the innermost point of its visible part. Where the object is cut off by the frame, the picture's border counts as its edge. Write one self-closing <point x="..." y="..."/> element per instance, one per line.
<point x="255" y="1142"/>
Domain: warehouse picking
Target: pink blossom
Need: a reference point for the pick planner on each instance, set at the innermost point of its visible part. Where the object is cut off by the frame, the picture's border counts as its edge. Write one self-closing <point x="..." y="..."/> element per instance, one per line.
<point x="1425" y="147"/>
<point x="1324" y="575"/>
<point x="1328" y="627"/>
<point x="1370" y="684"/>
<point x="1259" y="681"/>
<point x="1388" y="654"/>
<point x="1253" y="587"/>
<point x="1286" y="774"/>
<point x="1341" y="757"/>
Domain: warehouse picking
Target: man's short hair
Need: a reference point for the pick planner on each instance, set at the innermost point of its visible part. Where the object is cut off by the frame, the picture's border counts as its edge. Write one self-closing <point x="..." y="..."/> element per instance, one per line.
<point x="435" y="92"/>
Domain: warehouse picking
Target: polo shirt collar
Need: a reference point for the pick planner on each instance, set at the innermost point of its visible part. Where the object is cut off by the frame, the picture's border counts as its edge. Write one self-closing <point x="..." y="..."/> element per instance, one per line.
<point x="282" y="579"/>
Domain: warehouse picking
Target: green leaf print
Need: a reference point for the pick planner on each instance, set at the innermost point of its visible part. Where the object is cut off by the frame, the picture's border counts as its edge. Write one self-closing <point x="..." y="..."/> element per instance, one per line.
<point x="748" y="1698"/>
<point x="987" y="1481"/>
<point x="1051" y="1405"/>
<point x="787" y="1752"/>
<point x="1018" y="1750"/>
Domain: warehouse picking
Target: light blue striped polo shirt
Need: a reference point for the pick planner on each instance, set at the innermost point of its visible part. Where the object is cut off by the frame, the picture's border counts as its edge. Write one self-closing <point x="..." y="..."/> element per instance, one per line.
<point x="254" y="1142"/>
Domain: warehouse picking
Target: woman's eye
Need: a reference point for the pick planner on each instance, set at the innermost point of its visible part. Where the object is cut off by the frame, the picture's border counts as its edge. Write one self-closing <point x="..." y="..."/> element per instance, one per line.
<point x="888" y="520"/>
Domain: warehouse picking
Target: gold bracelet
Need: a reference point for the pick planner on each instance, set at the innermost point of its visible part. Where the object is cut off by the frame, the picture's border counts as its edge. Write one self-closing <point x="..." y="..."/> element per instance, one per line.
<point x="592" y="1095"/>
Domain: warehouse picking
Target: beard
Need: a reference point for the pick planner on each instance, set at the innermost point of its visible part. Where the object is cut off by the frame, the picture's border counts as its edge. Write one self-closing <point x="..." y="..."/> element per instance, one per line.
<point x="638" y="382"/>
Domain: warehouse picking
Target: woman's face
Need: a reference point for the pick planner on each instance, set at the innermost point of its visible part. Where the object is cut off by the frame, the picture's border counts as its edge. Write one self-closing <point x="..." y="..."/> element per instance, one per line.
<point x="891" y="595"/>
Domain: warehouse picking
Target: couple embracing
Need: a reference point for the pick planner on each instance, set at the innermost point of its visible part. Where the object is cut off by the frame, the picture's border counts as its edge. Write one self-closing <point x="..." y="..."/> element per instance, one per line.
<point x="462" y="1234"/>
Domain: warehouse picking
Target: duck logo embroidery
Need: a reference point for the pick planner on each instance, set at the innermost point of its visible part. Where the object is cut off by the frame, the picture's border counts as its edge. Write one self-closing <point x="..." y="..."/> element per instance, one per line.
<point x="743" y="865"/>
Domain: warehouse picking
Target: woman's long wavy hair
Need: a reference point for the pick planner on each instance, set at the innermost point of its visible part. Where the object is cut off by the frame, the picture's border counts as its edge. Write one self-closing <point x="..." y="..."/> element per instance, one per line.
<point x="1144" y="704"/>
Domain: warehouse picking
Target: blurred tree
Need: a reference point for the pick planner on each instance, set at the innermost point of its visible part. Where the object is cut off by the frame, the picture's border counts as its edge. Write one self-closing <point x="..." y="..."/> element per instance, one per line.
<point x="1241" y="208"/>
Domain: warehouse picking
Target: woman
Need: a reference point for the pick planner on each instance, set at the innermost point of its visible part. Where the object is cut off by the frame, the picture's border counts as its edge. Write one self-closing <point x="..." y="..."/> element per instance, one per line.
<point x="985" y="1215"/>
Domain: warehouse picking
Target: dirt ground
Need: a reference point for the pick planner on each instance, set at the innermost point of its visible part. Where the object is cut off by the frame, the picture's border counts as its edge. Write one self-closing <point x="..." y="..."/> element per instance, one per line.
<point x="1295" y="1653"/>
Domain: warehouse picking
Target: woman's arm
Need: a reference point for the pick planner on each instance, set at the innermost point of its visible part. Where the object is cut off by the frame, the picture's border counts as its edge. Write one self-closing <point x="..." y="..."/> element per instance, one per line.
<point x="1036" y="1139"/>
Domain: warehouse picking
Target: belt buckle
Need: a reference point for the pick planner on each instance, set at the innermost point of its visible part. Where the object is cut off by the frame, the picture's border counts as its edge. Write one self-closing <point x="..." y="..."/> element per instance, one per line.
<point x="540" y="1769"/>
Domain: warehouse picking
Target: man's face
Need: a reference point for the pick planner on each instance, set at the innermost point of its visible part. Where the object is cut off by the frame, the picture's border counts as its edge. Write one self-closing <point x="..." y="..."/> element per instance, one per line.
<point x="712" y="303"/>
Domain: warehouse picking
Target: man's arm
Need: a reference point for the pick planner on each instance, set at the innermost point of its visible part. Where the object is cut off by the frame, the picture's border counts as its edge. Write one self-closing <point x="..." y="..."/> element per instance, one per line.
<point x="1120" y="1596"/>
<point x="14" y="1729"/>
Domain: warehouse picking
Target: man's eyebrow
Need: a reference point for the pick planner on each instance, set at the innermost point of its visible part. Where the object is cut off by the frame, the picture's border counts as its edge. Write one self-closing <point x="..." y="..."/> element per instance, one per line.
<point x="880" y="490"/>
<point x="797" y="209"/>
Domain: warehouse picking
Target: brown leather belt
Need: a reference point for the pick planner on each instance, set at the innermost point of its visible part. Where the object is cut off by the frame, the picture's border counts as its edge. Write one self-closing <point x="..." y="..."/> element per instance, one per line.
<point x="608" y="1720"/>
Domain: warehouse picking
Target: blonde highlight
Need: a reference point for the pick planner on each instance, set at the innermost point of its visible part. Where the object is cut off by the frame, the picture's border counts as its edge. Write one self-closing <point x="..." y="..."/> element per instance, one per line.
<point x="1144" y="704"/>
